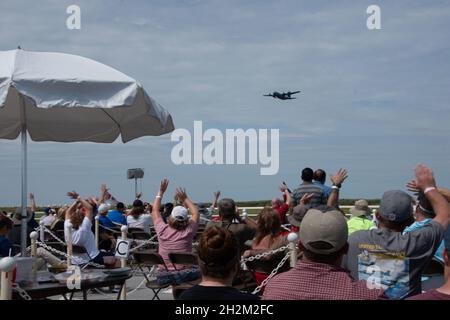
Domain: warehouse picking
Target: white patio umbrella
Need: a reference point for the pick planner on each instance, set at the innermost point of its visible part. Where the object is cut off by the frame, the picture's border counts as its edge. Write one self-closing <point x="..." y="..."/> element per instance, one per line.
<point x="66" y="98"/>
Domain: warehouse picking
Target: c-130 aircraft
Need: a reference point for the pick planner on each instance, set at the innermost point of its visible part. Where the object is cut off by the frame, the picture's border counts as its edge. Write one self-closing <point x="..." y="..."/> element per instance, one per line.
<point x="282" y="96"/>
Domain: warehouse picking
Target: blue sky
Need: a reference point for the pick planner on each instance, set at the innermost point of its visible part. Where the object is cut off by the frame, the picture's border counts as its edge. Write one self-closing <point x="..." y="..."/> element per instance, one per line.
<point x="374" y="102"/>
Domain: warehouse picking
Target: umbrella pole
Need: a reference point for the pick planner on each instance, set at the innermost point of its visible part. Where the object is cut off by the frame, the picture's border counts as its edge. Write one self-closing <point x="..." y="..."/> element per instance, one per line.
<point x="23" y="234"/>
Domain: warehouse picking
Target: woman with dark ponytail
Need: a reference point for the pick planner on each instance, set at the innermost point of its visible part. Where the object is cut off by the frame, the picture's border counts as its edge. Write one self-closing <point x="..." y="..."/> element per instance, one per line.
<point x="219" y="259"/>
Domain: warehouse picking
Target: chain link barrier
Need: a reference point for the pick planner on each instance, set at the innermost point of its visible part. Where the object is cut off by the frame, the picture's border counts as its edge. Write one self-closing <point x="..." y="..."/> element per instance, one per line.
<point x="143" y="243"/>
<point x="54" y="236"/>
<point x="22" y="293"/>
<point x="272" y="274"/>
<point x="263" y="255"/>
<point x="73" y="258"/>
<point x="108" y="229"/>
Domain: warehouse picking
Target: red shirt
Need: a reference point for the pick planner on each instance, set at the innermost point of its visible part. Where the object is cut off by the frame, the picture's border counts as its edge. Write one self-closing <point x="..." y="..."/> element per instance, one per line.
<point x="318" y="281"/>
<point x="293" y="229"/>
<point x="282" y="210"/>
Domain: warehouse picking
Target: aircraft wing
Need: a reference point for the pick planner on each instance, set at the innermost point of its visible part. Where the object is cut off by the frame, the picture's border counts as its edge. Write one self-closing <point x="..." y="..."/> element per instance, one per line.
<point x="293" y="92"/>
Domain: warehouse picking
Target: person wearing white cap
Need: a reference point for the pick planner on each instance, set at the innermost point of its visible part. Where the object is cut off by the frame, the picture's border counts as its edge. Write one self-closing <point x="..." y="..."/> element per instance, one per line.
<point x="176" y="235"/>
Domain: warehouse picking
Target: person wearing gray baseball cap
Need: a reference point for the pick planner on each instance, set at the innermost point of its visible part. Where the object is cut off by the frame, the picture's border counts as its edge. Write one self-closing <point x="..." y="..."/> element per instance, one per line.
<point x="393" y="260"/>
<point x="323" y="238"/>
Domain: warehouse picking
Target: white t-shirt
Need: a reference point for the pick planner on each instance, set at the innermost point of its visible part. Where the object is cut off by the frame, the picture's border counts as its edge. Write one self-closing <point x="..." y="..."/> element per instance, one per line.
<point x="144" y="221"/>
<point x="83" y="237"/>
<point x="48" y="220"/>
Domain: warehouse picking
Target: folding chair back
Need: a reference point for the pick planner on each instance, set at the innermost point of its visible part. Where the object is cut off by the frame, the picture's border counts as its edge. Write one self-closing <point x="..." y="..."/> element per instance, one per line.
<point x="268" y="264"/>
<point x="60" y="234"/>
<point x="434" y="268"/>
<point x="181" y="258"/>
<point x="132" y="229"/>
<point x="140" y="235"/>
<point x="150" y="259"/>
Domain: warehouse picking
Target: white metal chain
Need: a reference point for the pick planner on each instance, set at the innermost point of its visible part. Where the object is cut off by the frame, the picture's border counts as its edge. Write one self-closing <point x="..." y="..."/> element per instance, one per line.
<point x="264" y="254"/>
<point x="143" y="243"/>
<point x="53" y="235"/>
<point x="22" y="293"/>
<point x="137" y="288"/>
<point x="272" y="274"/>
<point x="74" y="258"/>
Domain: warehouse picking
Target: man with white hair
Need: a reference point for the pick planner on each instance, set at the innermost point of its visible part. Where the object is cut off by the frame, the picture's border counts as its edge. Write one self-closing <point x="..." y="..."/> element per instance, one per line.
<point x="103" y="219"/>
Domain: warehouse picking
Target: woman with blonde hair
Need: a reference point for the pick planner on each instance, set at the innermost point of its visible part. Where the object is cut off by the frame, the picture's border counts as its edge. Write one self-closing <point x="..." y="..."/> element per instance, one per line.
<point x="79" y="221"/>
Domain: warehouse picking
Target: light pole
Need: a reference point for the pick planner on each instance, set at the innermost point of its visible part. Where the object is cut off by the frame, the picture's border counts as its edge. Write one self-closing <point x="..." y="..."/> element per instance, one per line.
<point x="136" y="173"/>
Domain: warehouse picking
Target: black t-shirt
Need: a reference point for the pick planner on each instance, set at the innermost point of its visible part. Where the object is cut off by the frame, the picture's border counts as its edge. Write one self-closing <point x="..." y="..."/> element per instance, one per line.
<point x="199" y="292"/>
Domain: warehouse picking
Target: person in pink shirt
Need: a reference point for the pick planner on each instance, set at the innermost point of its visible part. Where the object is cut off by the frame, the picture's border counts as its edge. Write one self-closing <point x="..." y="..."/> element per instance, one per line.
<point x="176" y="235"/>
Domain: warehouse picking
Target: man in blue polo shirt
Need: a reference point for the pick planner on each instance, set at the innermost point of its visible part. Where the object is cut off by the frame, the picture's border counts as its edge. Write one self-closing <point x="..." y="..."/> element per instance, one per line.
<point x="118" y="215"/>
<point x="103" y="218"/>
<point x="320" y="177"/>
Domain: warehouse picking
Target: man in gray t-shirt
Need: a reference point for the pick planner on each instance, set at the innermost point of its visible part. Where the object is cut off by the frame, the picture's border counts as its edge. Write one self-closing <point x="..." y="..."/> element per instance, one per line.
<point x="387" y="258"/>
<point x="308" y="187"/>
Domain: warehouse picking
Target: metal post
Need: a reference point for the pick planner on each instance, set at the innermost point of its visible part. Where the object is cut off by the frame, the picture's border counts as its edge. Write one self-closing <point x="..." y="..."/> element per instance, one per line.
<point x="123" y="264"/>
<point x="34" y="236"/>
<point x="41" y="231"/>
<point x="6" y="267"/>
<point x="68" y="233"/>
<point x="97" y="227"/>
<point x="23" y="237"/>
<point x="292" y="238"/>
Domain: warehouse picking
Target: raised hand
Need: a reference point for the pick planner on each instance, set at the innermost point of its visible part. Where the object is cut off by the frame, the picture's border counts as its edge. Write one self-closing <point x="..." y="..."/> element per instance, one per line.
<point x="181" y="195"/>
<point x="424" y="177"/>
<point x="339" y="177"/>
<point x="306" y="198"/>
<point x="31" y="196"/>
<point x="412" y="186"/>
<point x="72" y="194"/>
<point x="163" y="186"/>
<point x="217" y="195"/>
<point x="283" y="187"/>
<point x="138" y="195"/>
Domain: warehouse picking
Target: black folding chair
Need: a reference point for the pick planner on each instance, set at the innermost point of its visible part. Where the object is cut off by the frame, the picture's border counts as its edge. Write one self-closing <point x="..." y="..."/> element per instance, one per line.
<point x="132" y="229"/>
<point x="60" y="234"/>
<point x="181" y="258"/>
<point x="434" y="268"/>
<point x="151" y="259"/>
<point x="143" y="236"/>
<point x="140" y="235"/>
<point x="186" y="259"/>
